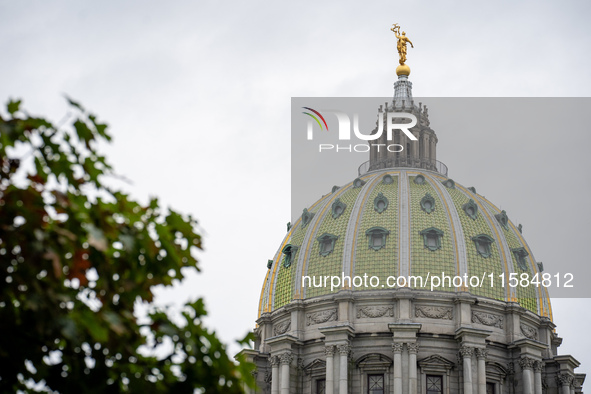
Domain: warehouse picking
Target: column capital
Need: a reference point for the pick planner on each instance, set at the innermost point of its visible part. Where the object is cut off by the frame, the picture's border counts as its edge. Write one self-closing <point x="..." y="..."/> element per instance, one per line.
<point x="286" y="358"/>
<point x="329" y="350"/>
<point x="274" y="361"/>
<point x="526" y="363"/>
<point x="466" y="351"/>
<point x="481" y="353"/>
<point x="344" y="349"/>
<point x="538" y="365"/>
<point x="397" y="347"/>
<point x="564" y="379"/>
<point x="413" y="347"/>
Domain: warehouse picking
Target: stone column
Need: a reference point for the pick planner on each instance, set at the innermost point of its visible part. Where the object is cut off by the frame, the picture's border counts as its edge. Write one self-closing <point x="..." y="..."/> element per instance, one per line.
<point x="286" y="359"/>
<point x="254" y="374"/>
<point x="564" y="381"/>
<point x="329" y="351"/>
<point x="538" y="365"/>
<point x="481" y="354"/>
<point x="274" y="360"/>
<point x="343" y="373"/>
<point x="527" y="364"/>
<point x="467" y="353"/>
<point x="397" y="349"/>
<point x="413" y="349"/>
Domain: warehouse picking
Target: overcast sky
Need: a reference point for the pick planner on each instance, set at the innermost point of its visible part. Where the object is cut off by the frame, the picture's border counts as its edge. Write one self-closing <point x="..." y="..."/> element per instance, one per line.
<point x="197" y="95"/>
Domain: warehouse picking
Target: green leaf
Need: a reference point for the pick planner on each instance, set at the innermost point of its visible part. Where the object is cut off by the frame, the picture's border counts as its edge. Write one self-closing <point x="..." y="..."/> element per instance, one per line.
<point x="13" y="106"/>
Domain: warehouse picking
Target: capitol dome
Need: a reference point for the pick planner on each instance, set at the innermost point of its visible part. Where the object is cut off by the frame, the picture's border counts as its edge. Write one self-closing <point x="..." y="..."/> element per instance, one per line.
<point x="403" y="281"/>
<point x="403" y="222"/>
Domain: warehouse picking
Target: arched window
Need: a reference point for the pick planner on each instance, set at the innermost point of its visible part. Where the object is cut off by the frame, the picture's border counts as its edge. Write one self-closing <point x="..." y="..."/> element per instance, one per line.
<point x="326" y="243"/>
<point x="377" y="237"/>
<point x="432" y="238"/>
<point x="483" y="243"/>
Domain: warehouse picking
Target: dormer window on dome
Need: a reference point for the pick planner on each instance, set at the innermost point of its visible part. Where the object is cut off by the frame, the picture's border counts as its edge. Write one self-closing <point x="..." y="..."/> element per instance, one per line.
<point x="326" y="243"/>
<point x="432" y="238"/>
<point x="503" y="219"/>
<point x="428" y="203"/>
<point x="483" y="244"/>
<point x="471" y="209"/>
<point x="377" y="237"/>
<point x="520" y="255"/>
<point x="338" y="208"/>
<point x="306" y="217"/>
<point x="380" y="203"/>
<point x="289" y="252"/>
<point x="387" y="179"/>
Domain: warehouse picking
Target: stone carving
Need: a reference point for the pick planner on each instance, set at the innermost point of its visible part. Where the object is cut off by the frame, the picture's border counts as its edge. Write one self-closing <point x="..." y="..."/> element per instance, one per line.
<point x="510" y="368"/>
<point x="487" y="319"/>
<point x="529" y="332"/>
<point x="286" y="358"/>
<point x="397" y="347"/>
<point x="274" y="361"/>
<point x="564" y="379"/>
<point x="538" y="365"/>
<point x="526" y="363"/>
<point x="481" y="353"/>
<point x="374" y="311"/>
<point x="344" y="349"/>
<point x="466" y="351"/>
<point x="434" y="312"/>
<point x="329" y="351"/>
<point x="300" y="363"/>
<point x="268" y="376"/>
<point x="282" y="328"/>
<point x="322" y="317"/>
<point x="413" y="347"/>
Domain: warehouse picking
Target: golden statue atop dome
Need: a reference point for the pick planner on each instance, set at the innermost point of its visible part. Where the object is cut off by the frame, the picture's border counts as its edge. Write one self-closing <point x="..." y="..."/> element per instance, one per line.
<point x="403" y="69"/>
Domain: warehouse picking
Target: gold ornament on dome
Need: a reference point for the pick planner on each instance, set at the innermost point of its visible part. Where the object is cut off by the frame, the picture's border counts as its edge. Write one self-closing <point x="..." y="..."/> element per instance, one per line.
<point x="403" y="69"/>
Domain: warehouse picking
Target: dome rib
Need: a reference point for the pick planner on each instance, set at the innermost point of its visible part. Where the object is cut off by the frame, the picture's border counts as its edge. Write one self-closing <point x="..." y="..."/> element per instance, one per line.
<point x="404" y="225"/>
<point x="310" y="236"/>
<point x="456" y="225"/>
<point x="355" y="220"/>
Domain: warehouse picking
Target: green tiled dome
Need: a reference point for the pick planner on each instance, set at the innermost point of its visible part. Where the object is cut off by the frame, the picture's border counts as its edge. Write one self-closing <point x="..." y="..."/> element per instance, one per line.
<point x="403" y="222"/>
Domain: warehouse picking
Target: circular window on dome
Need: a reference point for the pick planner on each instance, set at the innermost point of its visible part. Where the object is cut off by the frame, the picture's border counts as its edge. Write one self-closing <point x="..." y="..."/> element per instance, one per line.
<point x="449" y="183"/>
<point x="380" y="203"/>
<point x="471" y="209"/>
<point x="428" y="203"/>
<point x="387" y="179"/>
<point x="358" y="183"/>
<point x="419" y="180"/>
<point x="338" y="207"/>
